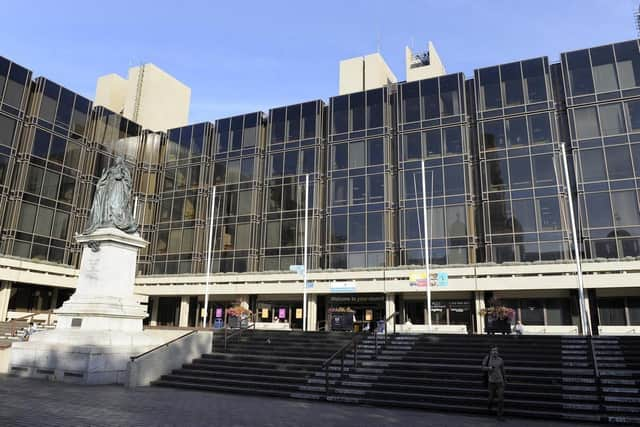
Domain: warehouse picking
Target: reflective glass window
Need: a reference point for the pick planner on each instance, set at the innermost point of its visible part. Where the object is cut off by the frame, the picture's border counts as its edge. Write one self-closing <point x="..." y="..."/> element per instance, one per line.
<point x="539" y="128"/>
<point x="543" y="170"/>
<point x="273" y="234"/>
<point x="250" y="132"/>
<point x="412" y="146"/>
<point x="635" y="153"/>
<point x="14" y="89"/>
<point x="4" y="164"/>
<point x="456" y="221"/>
<point x="500" y="217"/>
<point x="50" y="184"/>
<point x="375" y="108"/>
<point x="339" y="229"/>
<point x="49" y="102"/>
<point x="236" y="132"/>
<point x="189" y="210"/>
<point x="520" y="172"/>
<point x="358" y="192"/>
<point x="243" y="236"/>
<point x="356" y="106"/>
<point x="593" y="166"/>
<point x="498" y="174"/>
<point x="453" y="140"/>
<point x="411" y="102"/>
<point x="626" y="210"/>
<point x="275" y="198"/>
<point x="449" y="95"/>
<point x="517" y="132"/>
<point x="598" y="208"/>
<point x="65" y="107"/>
<point x="633" y="111"/>
<point x="72" y="156"/>
<point x="340" y="192"/>
<point x="293" y="122"/>
<point x="493" y="134"/>
<point x="277" y="125"/>
<point x="357" y="154"/>
<point x="340" y="158"/>
<point x="60" y="223"/>
<point x="41" y="144"/>
<point x="222" y="127"/>
<point x="511" y="84"/>
<point x="586" y="122"/>
<point x="291" y="162"/>
<point x="375" y="188"/>
<point x="580" y="78"/>
<point x="604" y="70"/>
<point x="490" y="88"/>
<point x="454" y="179"/>
<point x="308" y="160"/>
<point x="340" y="111"/>
<point x="430" y="98"/>
<point x="356" y="228"/>
<point x="433" y="143"/>
<point x="612" y="119"/>
<point x="67" y="187"/>
<point x="309" y="120"/>
<point x="27" y="217"/>
<point x="7" y="128"/>
<point x="611" y="311"/>
<point x="628" y="64"/>
<point x="375" y="152"/>
<point x="534" y="80"/>
<point x="619" y="162"/>
<point x="375" y="226"/>
<point x="44" y="220"/>
<point x="548" y="211"/>
<point x="233" y="171"/>
<point x="277" y="164"/>
<point x="524" y="216"/>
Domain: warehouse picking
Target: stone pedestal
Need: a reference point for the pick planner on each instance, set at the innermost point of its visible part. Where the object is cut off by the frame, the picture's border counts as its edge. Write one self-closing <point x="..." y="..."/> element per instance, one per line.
<point x="100" y="326"/>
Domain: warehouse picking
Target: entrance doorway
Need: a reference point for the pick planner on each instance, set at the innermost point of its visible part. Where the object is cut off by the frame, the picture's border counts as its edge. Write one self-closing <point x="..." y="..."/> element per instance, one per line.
<point x="368" y="308"/>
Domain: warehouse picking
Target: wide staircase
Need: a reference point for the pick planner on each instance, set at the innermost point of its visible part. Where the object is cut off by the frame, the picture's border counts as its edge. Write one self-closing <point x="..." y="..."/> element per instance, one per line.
<point x="570" y="378"/>
<point x="260" y="362"/>
<point x="618" y="361"/>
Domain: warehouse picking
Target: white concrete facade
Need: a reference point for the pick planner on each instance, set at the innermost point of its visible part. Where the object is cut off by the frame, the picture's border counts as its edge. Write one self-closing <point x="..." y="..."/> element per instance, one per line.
<point x="423" y="66"/>
<point x="364" y="73"/>
<point x="148" y="96"/>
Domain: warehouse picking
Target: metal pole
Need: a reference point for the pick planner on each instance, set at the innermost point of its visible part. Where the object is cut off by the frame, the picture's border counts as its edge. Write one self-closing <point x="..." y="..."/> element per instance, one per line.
<point x="135" y="209"/>
<point x="304" y="263"/>
<point x="586" y="327"/>
<point x="426" y="246"/>
<point x="206" y="286"/>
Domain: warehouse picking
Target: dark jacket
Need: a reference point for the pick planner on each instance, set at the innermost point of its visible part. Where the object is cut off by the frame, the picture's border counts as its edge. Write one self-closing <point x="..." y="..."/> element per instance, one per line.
<point x="494" y="366"/>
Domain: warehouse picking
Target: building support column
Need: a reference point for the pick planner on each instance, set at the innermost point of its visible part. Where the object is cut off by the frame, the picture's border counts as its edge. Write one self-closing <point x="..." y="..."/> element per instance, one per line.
<point x="155" y="306"/>
<point x="312" y="312"/>
<point x="184" y="312"/>
<point x="54" y="299"/>
<point x="5" y="295"/>
<point x="390" y="308"/>
<point x="479" y="305"/>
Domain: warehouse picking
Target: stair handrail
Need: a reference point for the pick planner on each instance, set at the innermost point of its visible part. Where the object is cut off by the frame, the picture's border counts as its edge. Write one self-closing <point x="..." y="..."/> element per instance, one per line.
<point x="252" y="325"/>
<point x="355" y="340"/>
<point x="320" y="322"/>
<point x="134" y="358"/>
<point x="596" y="372"/>
<point x="375" y="352"/>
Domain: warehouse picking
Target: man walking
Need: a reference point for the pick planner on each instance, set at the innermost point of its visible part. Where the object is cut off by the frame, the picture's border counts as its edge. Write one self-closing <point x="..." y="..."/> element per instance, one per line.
<point x="493" y="365"/>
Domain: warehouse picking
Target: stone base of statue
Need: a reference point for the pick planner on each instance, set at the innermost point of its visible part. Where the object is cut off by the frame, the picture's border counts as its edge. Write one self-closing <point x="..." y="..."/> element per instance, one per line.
<point x="100" y="327"/>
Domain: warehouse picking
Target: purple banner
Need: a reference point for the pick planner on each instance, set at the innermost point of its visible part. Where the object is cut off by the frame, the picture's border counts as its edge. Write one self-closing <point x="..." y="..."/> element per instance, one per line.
<point x="218" y="313"/>
<point x="282" y="313"/>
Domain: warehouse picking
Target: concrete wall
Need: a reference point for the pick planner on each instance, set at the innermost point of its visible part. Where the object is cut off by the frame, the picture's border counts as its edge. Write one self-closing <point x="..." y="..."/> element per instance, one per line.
<point x="364" y="73"/>
<point x="111" y="92"/>
<point x="171" y="356"/>
<point x="5" y="359"/>
<point x="417" y="71"/>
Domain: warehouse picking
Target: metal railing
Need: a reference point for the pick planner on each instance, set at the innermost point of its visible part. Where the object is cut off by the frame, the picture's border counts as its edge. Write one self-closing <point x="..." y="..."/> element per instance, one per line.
<point x="251" y="320"/>
<point x="321" y="325"/>
<point x="392" y="315"/>
<point x="596" y="372"/>
<point x="342" y="351"/>
<point x="133" y="358"/>
<point x="27" y="318"/>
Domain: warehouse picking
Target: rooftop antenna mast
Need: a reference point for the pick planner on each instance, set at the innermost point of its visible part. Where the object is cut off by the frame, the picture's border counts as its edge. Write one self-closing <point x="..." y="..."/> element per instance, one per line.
<point x="636" y="15"/>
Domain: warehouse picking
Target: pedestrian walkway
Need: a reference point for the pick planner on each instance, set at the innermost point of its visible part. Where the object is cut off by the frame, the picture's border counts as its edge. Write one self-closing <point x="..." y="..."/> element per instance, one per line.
<point x="29" y="403"/>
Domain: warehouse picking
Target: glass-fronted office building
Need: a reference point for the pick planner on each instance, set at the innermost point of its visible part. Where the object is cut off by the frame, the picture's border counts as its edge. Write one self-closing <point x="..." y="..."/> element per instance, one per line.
<point x="497" y="202"/>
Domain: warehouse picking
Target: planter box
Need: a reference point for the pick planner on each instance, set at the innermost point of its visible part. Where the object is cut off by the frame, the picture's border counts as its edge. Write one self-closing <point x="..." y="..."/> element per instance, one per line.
<point x="342" y="321"/>
<point x="497" y="326"/>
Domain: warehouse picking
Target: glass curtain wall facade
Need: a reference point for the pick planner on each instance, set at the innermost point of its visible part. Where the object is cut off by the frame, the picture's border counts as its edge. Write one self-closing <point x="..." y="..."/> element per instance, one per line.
<point x="295" y="148"/>
<point x="433" y="125"/>
<point x="46" y="182"/>
<point x="602" y="86"/>
<point x="15" y="82"/>
<point x="360" y="178"/>
<point x="238" y="176"/>
<point x="182" y="219"/>
<point x="523" y="195"/>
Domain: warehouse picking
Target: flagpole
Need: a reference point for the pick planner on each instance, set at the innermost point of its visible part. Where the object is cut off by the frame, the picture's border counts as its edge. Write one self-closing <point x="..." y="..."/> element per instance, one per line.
<point x="586" y="327"/>
<point x="206" y="286"/>
<point x="426" y="246"/>
<point x="304" y="263"/>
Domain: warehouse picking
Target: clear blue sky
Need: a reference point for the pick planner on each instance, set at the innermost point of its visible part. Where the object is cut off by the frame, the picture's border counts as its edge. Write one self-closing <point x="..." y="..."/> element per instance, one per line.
<point x="242" y="56"/>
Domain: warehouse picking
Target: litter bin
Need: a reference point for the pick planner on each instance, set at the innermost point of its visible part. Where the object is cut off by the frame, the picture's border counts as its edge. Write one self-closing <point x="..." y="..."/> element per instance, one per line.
<point x="381" y="326"/>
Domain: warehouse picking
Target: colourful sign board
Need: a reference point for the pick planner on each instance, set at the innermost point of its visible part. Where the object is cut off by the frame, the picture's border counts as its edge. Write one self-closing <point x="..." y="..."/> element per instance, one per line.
<point x="218" y="313"/>
<point x="265" y="313"/>
<point x="298" y="313"/>
<point x="282" y="313"/>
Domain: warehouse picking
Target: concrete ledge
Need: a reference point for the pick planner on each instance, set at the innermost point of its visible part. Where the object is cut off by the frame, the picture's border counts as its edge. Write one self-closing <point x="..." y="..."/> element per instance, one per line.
<point x="162" y="360"/>
<point x="270" y="326"/>
<point x="550" y="330"/>
<point x="619" y="330"/>
<point x="435" y="329"/>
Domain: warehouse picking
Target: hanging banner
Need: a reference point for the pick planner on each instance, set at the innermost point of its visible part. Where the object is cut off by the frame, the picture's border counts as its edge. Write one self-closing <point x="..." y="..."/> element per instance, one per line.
<point x="282" y="313"/>
<point x="265" y="313"/>
<point x="298" y="313"/>
<point x="419" y="279"/>
<point x="368" y="315"/>
<point x="218" y="313"/>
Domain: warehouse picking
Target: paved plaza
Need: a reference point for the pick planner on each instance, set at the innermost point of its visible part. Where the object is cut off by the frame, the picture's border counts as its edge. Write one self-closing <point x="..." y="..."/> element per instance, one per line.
<point x="40" y="403"/>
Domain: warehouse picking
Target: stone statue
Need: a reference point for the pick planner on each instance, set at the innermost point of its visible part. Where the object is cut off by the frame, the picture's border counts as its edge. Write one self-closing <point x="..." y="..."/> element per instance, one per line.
<point x="112" y="201"/>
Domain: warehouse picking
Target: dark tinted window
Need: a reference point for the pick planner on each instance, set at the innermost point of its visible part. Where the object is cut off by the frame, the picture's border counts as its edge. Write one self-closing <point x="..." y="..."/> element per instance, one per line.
<point x="512" y="84"/>
<point x="490" y="88"/>
<point x="449" y="95"/>
<point x="628" y="61"/>
<point x="340" y="118"/>
<point x="534" y="80"/>
<point x="375" y="108"/>
<point x="430" y="98"/>
<point x="411" y="102"/>
<point x="580" y="79"/>
<point x="604" y="69"/>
